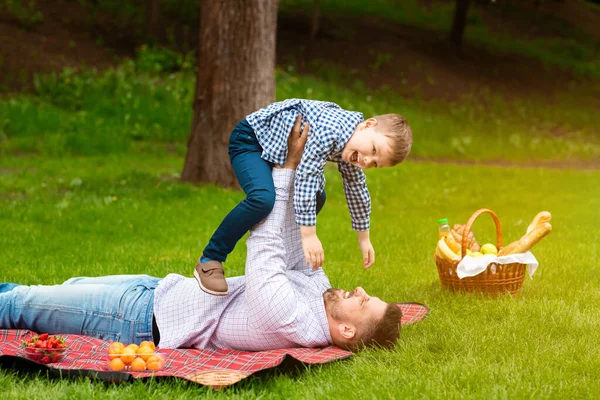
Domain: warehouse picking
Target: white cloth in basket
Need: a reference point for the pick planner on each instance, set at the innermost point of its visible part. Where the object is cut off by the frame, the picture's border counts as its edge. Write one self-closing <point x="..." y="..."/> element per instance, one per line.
<point x="471" y="266"/>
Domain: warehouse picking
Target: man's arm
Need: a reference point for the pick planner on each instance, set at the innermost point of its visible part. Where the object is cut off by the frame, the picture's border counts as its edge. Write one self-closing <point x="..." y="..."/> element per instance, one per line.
<point x="270" y="296"/>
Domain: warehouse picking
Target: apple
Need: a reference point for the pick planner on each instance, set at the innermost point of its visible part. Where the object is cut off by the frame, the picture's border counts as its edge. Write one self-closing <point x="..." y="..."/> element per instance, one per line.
<point x="476" y="254"/>
<point x="489" y="248"/>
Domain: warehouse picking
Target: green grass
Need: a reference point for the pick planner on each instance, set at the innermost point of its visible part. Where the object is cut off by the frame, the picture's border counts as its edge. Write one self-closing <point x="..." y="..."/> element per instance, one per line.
<point x="128" y="214"/>
<point x="124" y="111"/>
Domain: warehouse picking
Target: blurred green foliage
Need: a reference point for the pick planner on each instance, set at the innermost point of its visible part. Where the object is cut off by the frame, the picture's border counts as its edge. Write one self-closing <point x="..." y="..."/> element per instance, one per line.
<point x="90" y="112"/>
<point x="136" y="11"/>
<point x="124" y="11"/>
<point x="161" y="59"/>
<point x="146" y="102"/>
<point x="140" y="106"/>
<point x="25" y="11"/>
<point x="560" y="44"/>
<point x="409" y="12"/>
<point x="550" y="39"/>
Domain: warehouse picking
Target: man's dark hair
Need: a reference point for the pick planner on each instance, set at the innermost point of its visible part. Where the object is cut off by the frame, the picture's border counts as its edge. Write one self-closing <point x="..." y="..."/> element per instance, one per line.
<point x="383" y="333"/>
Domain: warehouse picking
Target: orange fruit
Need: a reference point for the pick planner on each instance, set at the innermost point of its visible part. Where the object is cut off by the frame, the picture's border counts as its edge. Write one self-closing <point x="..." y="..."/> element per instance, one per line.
<point x="149" y="344"/>
<point x="116" y="364"/>
<point x="138" y="364"/>
<point x="144" y="352"/>
<point x="115" y="348"/>
<point x="133" y="346"/>
<point x="128" y="355"/>
<point x="155" y="362"/>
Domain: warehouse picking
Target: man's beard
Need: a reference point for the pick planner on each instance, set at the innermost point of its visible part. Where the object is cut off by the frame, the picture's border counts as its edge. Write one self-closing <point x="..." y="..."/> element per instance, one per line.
<point x="332" y="297"/>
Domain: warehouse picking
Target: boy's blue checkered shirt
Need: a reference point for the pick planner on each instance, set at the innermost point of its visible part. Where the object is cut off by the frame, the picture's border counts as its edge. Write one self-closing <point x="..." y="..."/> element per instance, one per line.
<point x="330" y="128"/>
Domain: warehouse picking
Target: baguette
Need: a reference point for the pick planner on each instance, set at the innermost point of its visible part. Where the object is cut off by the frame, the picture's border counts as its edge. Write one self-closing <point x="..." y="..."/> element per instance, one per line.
<point x="541" y="218"/>
<point x="528" y="240"/>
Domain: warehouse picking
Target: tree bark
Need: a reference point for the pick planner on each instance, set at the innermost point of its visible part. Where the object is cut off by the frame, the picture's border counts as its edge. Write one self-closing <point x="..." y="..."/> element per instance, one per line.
<point x="459" y="22"/>
<point x="236" y="76"/>
<point x="314" y="29"/>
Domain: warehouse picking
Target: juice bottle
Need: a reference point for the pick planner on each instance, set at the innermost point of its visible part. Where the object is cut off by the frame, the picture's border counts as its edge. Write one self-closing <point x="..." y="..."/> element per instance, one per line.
<point x="443" y="227"/>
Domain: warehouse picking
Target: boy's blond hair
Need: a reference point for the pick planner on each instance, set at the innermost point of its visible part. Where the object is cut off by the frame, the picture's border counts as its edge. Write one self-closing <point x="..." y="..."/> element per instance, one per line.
<point x="395" y="127"/>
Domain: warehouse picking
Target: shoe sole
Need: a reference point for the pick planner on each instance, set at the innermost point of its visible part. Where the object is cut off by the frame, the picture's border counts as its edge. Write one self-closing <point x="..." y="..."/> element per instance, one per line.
<point x="208" y="290"/>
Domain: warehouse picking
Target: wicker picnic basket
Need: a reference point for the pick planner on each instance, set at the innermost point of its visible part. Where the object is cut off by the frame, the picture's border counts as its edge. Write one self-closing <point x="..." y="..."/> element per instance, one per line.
<point x="495" y="280"/>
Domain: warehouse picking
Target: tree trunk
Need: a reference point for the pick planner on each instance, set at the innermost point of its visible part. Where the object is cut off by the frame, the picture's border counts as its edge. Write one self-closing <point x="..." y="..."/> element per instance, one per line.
<point x="315" y="22"/>
<point x="236" y="76"/>
<point x="459" y="22"/>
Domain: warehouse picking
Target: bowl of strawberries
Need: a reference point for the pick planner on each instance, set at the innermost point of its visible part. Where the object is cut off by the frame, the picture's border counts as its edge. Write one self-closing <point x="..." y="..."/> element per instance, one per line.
<point x="44" y="349"/>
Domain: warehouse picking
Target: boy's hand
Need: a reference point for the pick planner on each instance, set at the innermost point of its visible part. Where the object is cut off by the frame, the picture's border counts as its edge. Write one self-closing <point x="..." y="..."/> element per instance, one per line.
<point x="296" y="142"/>
<point x="313" y="250"/>
<point x="366" y="248"/>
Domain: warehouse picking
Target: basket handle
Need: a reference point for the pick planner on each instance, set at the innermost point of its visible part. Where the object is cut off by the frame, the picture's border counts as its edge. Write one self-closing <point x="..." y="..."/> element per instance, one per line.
<point x="470" y="222"/>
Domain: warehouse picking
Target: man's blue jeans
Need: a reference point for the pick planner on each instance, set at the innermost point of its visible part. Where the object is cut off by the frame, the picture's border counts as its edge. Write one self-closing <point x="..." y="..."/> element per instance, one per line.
<point x="254" y="175"/>
<point x="114" y="308"/>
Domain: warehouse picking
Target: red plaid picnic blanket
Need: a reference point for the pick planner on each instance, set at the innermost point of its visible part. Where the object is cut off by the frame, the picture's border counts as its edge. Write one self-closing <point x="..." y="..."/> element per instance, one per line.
<point x="216" y="368"/>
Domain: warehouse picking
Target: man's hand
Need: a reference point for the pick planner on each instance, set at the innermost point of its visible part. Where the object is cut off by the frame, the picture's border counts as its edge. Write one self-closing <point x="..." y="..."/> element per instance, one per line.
<point x="296" y="142"/>
<point x="368" y="253"/>
<point x="313" y="250"/>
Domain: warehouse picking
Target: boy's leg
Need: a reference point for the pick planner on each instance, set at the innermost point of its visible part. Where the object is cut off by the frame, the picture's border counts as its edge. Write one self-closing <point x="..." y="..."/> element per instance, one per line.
<point x="254" y="175"/>
<point x="255" y="178"/>
<point x="118" y="312"/>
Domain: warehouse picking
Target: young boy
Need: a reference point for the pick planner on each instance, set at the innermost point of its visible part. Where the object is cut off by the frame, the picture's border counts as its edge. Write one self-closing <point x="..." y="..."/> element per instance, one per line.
<point x="260" y="141"/>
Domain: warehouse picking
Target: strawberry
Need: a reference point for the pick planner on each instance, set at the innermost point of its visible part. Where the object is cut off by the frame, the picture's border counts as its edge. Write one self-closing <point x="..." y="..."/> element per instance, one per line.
<point x="44" y="348"/>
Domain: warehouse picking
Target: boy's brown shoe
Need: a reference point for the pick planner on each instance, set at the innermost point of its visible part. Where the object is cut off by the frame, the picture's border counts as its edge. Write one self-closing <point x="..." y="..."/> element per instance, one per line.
<point x="211" y="277"/>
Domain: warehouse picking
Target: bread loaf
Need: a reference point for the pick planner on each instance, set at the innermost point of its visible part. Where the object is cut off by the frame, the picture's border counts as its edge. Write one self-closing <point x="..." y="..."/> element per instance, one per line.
<point x="539" y="219"/>
<point x="528" y="241"/>
<point x="457" y="233"/>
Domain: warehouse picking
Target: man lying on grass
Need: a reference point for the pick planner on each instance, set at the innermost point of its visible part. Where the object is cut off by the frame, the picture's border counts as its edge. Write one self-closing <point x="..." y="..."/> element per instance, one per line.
<point x="279" y="303"/>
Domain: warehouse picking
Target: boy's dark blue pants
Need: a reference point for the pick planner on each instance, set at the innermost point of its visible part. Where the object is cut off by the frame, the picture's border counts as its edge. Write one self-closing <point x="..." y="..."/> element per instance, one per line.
<point x="254" y="175"/>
